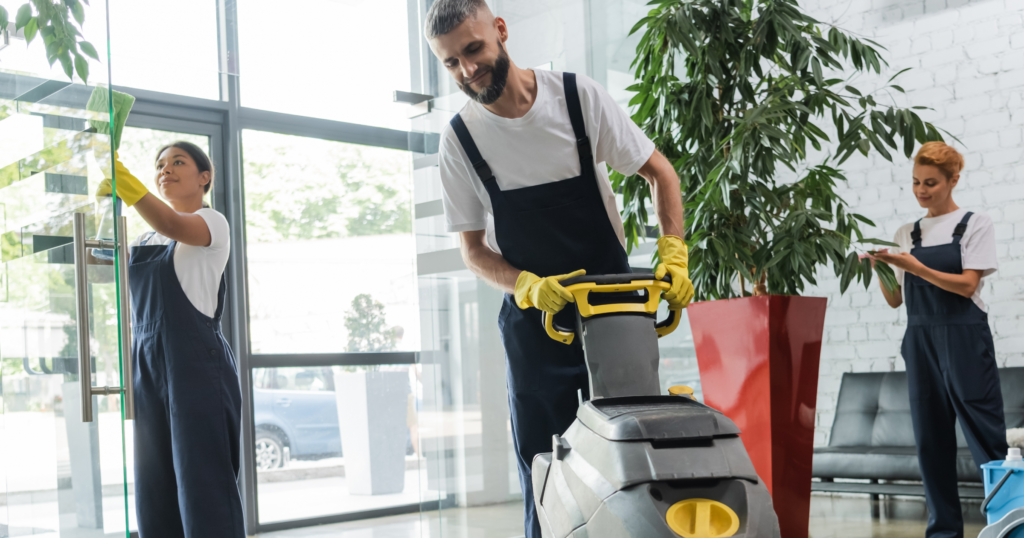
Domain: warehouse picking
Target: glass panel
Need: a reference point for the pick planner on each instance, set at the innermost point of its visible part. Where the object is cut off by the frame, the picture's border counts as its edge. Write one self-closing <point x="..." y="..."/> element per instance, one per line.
<point x="337" y="440"/>
<point x="343" y="52"/>
<point x="331" y="256"/>
<point x="176" y="65"/>
<point x="62" y="476"/>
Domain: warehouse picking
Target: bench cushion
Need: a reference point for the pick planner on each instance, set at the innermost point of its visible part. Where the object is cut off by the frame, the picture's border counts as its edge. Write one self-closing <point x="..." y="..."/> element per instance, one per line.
<point x="873" y="435"/>
<point x="883" y="463"/>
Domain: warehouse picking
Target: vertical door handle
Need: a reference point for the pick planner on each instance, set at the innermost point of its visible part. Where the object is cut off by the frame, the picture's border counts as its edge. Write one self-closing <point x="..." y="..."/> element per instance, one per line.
<point x="82" y="308"/>
<point x="80" y="246"/>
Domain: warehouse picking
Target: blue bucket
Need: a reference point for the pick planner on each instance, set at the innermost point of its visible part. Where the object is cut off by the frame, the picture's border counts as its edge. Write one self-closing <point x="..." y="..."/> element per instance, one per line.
<point x="1008" y="486"/>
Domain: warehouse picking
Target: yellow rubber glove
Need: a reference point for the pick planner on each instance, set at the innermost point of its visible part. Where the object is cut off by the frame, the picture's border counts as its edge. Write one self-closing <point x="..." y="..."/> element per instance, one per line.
<point x="129" y="188"/>
<point x="674" y="262"/>
<point x="544" y="293"/>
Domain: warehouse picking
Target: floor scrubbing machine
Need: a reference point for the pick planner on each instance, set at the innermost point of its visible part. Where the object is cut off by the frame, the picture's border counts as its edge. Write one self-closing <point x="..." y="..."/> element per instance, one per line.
<point x="636" y="463"/>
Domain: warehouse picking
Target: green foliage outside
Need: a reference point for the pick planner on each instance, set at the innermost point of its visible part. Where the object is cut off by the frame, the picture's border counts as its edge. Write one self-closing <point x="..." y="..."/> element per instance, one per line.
<point x="751" y="101"/>
<point x="58" y="22"/>
<point x="301" y="188"/>
<point x="367" y="326"/>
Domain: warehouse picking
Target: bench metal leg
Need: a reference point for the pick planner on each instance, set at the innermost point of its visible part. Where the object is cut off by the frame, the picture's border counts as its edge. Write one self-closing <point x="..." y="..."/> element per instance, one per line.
<point x="875" y="501"/>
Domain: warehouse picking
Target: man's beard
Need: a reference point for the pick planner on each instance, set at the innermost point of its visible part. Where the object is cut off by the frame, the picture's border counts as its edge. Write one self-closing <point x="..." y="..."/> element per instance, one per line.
<point x="499" y="77"/>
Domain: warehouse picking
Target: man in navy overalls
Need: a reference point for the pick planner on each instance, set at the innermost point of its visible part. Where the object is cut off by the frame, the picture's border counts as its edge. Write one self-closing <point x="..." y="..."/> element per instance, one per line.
<point x="523" y="226"/>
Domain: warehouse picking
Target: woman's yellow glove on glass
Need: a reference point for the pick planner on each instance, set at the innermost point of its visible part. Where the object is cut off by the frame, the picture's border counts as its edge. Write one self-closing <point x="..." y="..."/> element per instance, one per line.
<point x="129" y="188"/>
<point x="544" y="293"/>
<point x="674" y="262"/>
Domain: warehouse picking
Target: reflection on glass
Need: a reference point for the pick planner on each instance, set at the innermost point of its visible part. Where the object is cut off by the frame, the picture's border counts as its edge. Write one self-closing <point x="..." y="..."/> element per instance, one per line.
<point x="324" y="67"/>
<point x="337" y="440"/>
<point x="331" y="255"/>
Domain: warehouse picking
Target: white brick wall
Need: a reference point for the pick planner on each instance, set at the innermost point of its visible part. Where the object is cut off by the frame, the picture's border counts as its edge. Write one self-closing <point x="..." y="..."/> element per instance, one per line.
<point x="968" y="66"/>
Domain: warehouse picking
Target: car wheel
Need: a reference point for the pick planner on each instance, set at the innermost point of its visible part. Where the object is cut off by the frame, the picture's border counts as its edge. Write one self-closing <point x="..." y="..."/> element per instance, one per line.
<point x="269" y="451"/>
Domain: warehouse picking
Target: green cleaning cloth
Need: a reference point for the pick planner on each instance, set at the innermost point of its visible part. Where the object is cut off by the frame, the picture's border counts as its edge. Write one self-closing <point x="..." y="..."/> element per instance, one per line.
<point x="99" y="102"/>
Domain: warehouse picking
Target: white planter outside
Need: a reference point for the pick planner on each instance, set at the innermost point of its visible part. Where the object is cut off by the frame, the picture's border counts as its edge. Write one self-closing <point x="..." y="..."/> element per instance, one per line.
<point x="372" y="419"/>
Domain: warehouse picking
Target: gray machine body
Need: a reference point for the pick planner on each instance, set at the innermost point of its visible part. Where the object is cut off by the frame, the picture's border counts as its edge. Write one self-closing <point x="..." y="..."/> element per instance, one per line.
<point x="632" y="453"/>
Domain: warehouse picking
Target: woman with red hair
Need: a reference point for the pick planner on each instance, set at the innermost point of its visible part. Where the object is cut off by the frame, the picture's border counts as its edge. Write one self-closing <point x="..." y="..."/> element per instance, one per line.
<point x="951" y="367"/>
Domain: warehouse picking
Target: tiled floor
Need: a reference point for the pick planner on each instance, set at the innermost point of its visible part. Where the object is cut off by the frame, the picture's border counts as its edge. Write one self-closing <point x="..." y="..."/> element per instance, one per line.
<point x="831" y="517"/>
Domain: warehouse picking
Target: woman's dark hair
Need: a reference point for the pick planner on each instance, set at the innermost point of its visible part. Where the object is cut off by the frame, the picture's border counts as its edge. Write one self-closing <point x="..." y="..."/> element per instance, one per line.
<point x="203" y="162"/>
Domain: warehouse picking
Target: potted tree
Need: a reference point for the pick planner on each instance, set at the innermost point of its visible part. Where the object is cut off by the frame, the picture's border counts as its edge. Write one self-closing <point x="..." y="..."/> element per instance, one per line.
<point x="751" y="101"/>
<point x="372" y="406"/>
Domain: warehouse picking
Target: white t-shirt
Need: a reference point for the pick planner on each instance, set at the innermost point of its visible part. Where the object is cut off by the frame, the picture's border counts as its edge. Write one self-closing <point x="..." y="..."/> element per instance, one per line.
<point x="977" y="247"/>
<point x="199" y="269"/>
<point x="538" y="148"/>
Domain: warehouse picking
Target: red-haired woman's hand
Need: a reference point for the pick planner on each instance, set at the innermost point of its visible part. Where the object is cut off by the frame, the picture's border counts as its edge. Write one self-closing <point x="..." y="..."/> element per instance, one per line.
<point x="904" y="260"/>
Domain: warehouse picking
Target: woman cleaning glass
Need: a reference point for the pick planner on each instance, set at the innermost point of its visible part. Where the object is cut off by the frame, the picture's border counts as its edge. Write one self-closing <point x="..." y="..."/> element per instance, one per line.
<point x="941" y="265"/>
<point x="187" y="398"/>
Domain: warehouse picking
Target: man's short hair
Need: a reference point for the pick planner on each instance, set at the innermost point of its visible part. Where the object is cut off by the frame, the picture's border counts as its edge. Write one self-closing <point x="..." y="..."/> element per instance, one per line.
<point x="445" y="15"/>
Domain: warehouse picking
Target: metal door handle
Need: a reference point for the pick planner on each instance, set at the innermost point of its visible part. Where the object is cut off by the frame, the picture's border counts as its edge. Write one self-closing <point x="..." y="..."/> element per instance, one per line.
<point x="284" y="402"/>
<point x="80" y="246"/>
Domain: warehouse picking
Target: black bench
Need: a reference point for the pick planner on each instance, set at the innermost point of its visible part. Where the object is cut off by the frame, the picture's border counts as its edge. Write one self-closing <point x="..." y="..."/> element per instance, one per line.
<point x="873" y="437"/>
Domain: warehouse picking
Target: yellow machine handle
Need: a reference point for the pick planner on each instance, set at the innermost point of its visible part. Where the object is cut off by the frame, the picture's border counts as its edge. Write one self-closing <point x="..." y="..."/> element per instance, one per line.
<point x="669" y="324"/>
<point x="582" y="286"/>
<point x="555" y="334"/>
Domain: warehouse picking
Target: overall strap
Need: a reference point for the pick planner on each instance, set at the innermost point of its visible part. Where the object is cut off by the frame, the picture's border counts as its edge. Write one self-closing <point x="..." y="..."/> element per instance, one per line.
<point x="479" y="164"/>
<point x="146" y="237"/>
<point x="579" y="127"/>
<point x="915" y="235"/>
<point x="958" y="232"/>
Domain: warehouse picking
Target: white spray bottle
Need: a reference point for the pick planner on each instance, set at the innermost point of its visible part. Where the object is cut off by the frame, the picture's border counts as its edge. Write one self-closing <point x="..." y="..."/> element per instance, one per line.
<point x="1014" y="459"/>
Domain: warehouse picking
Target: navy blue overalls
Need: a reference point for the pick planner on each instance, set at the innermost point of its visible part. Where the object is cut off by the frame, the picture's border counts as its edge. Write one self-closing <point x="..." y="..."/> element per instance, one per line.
<point x="951" y="369"/>
<point x="548" y="229"/>
<point x="187" y="407"/>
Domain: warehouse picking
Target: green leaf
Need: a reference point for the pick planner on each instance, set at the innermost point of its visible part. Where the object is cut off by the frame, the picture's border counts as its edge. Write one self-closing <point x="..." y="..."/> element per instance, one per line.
<point x="878" y="242"/>
<point x="78" y="12"/>
<point x="854" y="91"/>
<point x="816" y="68"/>
<point x="892" y="78"/>
<point x="849" y="271"/>
<point x="3" y="18"/>
<point x="865" y="267"/>
<point x="88" y="49"/>
<point x="82" y="67"/>
<point x="65" y="61"/>
<point x="30" y="30"/>
<point x="863" y="219"/>
<point x="23" y="16"/>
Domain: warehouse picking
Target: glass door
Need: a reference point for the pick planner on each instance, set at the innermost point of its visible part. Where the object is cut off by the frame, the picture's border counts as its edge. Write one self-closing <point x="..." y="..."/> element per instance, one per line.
<point x="63" y="318"/>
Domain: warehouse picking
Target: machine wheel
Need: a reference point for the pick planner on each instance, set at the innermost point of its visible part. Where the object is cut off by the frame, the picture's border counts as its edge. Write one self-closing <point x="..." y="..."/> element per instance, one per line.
<point x="270" y="451"/>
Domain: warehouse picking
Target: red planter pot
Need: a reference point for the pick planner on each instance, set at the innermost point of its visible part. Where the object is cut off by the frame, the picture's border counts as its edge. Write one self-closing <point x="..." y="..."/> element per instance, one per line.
<point x="758" y="359"/>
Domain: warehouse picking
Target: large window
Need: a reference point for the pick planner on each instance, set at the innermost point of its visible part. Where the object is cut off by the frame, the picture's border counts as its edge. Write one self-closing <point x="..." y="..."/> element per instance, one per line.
<point x="338" y="440"/>
<point x="331" y="59"/>
<point x="331" y="255"/>
<point x="165" y="47"/>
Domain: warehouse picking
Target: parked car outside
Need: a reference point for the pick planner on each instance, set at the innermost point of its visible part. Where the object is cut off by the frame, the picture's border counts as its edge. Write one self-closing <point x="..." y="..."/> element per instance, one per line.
<point x="296" y="416"/>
